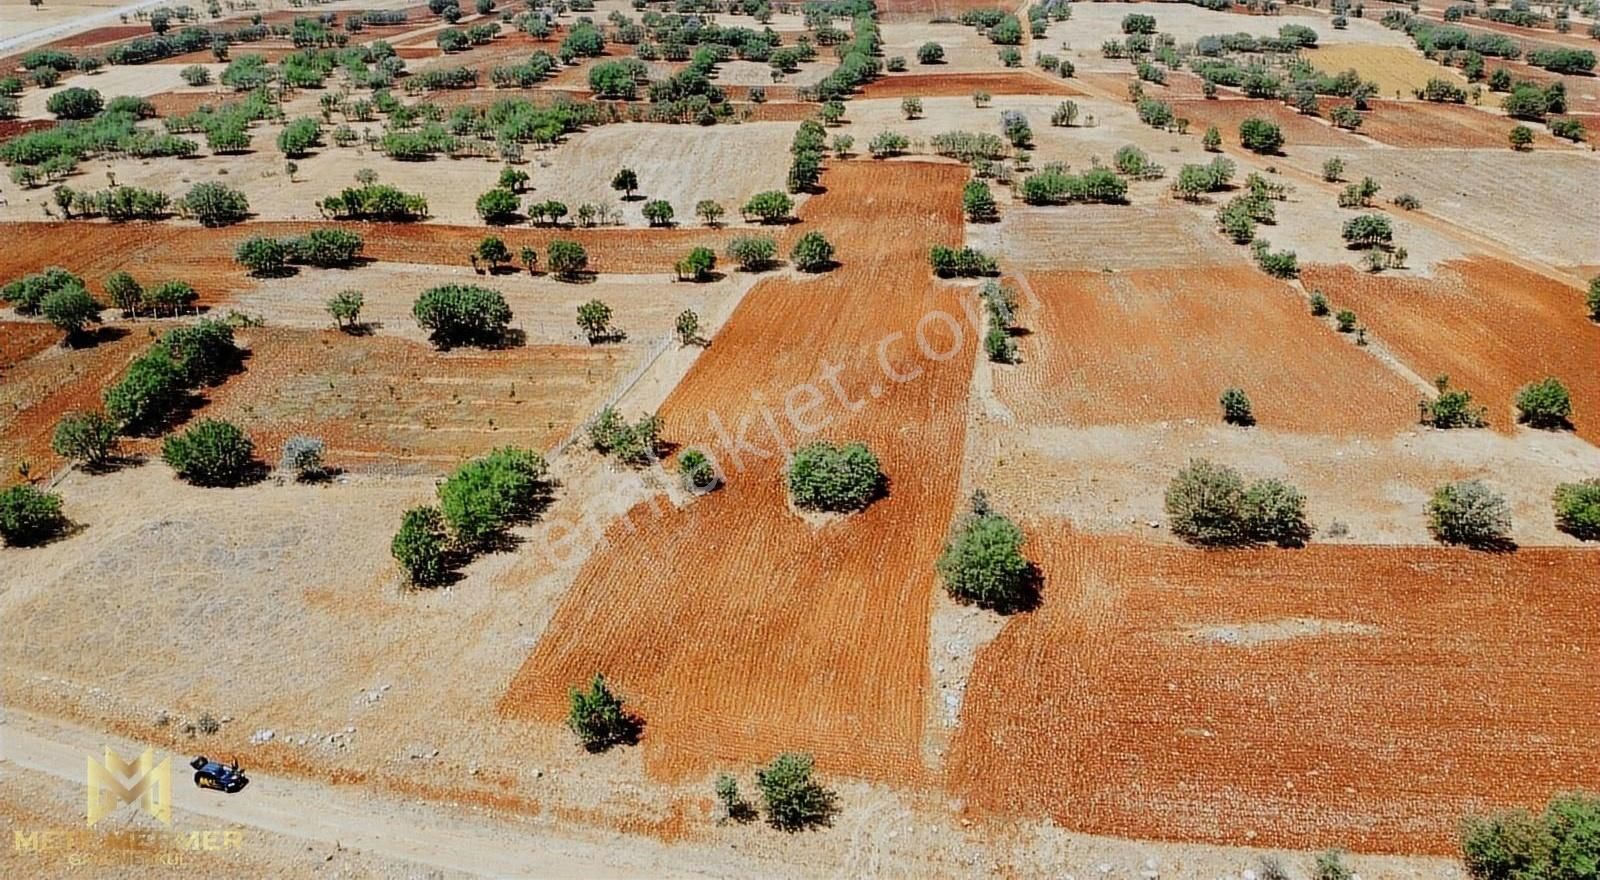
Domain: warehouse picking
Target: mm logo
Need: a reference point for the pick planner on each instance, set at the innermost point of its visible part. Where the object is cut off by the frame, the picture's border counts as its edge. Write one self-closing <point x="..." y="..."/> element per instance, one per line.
<point x="149" y="784"/>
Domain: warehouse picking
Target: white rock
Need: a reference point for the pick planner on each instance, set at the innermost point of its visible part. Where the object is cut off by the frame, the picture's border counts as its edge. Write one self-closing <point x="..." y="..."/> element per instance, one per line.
<point x="262" y="736"/>
<point x="1248" y="875"/>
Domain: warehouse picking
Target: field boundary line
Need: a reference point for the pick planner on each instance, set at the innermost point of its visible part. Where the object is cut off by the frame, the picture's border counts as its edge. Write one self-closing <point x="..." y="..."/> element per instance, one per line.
<point x="624" y="385"/>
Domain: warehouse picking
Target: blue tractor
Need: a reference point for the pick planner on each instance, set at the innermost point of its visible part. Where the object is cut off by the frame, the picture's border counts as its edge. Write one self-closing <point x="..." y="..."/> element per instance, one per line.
<point x="217" y="775"/>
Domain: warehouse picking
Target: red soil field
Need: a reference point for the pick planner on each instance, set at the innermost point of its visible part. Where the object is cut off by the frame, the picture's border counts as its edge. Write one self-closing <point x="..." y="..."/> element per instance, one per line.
<point x="733" y="626"/>
<point x="19" y="341"/>
<point x="101" y="35"/>
<point x="944" y="85"/>
<point x="1365" y="697"/>
<point x="1489" y="325"/>
<point x="1423" y="124"/>
<point x="924" y="9"/>
<point x="36" y="391"/>
<point x="1298" y="129"/>
<point x="13" y="127"/>
<point x="148" y="251"/>
<point x="384" y="399"/>
<point x="1155" y="345"/>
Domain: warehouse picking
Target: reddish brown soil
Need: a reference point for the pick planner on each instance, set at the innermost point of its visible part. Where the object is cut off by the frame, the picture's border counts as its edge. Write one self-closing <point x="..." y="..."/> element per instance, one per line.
<point x="13" y="127"/>
<point x="1468" y="690"/>
<point x="944" y="85"/>
<point x="1490" y="326"/>
<point x="20" y="340"/>
<point x="1158" y="345"/>
<point x="924" y="9"/>
<point x="1422" y="124"/>
<point x="1298" y="129"/>
<point x="386" y="400"/>
<point x="149" y="251"/>
<point x="38" y="390"/>
<point x="101" y="35"/>
<point x="728" y="654"/>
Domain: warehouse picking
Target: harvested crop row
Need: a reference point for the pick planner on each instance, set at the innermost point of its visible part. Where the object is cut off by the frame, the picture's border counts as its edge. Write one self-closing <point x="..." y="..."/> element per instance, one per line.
<point x="1336" y="696"/>
<point x="735" y="627"/>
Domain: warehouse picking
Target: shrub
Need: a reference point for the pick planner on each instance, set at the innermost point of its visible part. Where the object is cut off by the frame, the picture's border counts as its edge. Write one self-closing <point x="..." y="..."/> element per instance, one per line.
<point x="299" y="136"/>
<point x="1236" y="408"/>
<point x="1333" y="169"/>
<point x="1319" y="306"/>
<point x="419" y="546"/>
<point x="1578" y="509"/>
<point x="302" y="456"/>
<point x="1593" y="298"/>
<point x="1505" y="846"/>
<point x="1367" y="230"/>
<point x="1545" y="404"/>
<point x="812" y="253"/>
<point x="657" y="212"/>
<point x="828" y="477"/>
<point x="633" y="445"/>
<point x="345" y="307"/>
<point x="698" y="264"/>
<point x="697" y="472"/>
<point x="153" y="384"/>
<point x="1065" y="114"/>
<point x="456" y="314"/>
<point x="325" y="248"/>
<point x="769" y="207"/>
<point x="1330" y="866"/>
<point x="486" y="495"/>
<point x="930" y="53"/>
<point x="498" y="206"/>
<point x="29" y="516"/>
<point x="214" y="205"/>
<point x="262" y="255"/>
<point x="1208" y="504"/>
<point x="88" y="438"/>
<point x="753" y="253"/>
<point x="195" y="75"/>
<point x="1453" y="408"/>
<point x="965" y="262"/>
<point x="598" y="718"/>
<point x="27" y="294"/>
<point x="1260" y="136"/>
<point x="74" y="102"/>
<point x="1469" y="513"/>
<point x="212" y="453"/>
<point x="1275" y="513"/>
<point x="983" y="563"/>
<point x="1521" y="137"/>
<point x="793" y="799"/>
<point x="977" y="200"/>
<point x="567" y="259"/>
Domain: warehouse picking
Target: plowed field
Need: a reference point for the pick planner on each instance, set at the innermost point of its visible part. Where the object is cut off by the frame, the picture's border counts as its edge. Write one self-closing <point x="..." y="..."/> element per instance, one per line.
<point x="946" y="85"/>
<point x="736" y="628"/>
<point x="150" y="251"/>
<point x="1490" y="326"/>
<point x="381" y="400"/>
<point x="1351" y="696"/>
<point x="36" y="390"/>
<point x="1422" y="124"/>
<point x="21" y="340"/>
<point x="1298" y="129"/>
<point x="1155" y="345"/>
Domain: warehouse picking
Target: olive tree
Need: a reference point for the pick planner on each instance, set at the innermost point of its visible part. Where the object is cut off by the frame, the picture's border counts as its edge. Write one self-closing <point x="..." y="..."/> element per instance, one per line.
<point x="812" y="253"/>
<point x="212" y="453"/>
<point x="1578" y="509"/>
<point x="1545" y="404"/>
<point x="498" y="206"/>
<point x="488" y="494"/>
<point x="1260" y="136"/>
<point x="598" y="717"/>
<point x="71" y="309"/>
<point x="1236" y="409"/>
<point x="420" y="546"/>
<point x="709" y="212"/>
<point x="793" y="799"/>
<point x="214" y="205"/>
<point x="1470" y="513"/>
<point x="625" y="182"/>
<point x="983" y="562"/>
<point x="345" y="307"/>
<point x="567" y="259"/>
<point x="840" y="478"/>
<point x="594" y="319"/>
<point x="88" y="438"/>
<point x="458" y="314"/>
<point x="657" y="212"/>
<point x="753" y="253"/>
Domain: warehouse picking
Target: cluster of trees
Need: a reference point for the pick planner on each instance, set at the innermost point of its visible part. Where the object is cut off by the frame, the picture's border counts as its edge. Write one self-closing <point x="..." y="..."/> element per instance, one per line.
<point x="118" y="204"/>
<point x="1054" y="185"/>
<point x="166" y="298"/>
<point x="1000" y="303"/>
<point x="962" y="262"/>
<point x="327" y="247"/>
<point x="59" y="296"/>
<point x="805" y="167"/>
<point x="1196" y="180"/>
<point x="375" y="201"/>
<point x="983" y="563"/>
<point x="634" y="445"/>
<point x="832" y="477"/>
<point x="477" y="503"/>
<point x="159" y="381"/>
<point x="1210" y="505"/>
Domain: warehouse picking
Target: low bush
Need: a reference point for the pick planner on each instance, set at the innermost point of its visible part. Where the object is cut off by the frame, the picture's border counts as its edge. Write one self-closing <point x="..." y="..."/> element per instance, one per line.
<point x="828" y="477"/>
<point x="29" y="516"/>
<point x="1208" y="504"/>
<point x="794" y="801"/>
<point x="1545" y="404"/>
<point x="486" y="495"/>
<point x="459" y="314"/>
<point x="1469" y="513"/>
<point x="212" y="453"/>
<point x="598" y="717"/>
<point x="983" y="562"/>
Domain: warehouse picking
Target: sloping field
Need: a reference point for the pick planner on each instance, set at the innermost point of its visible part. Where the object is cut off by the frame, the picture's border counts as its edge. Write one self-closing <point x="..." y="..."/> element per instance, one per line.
<point x="1150" y="345"/>
<point x="736" y="628"/>
<point x="20" y="340"/>
<point x="36" y="390"/>
<point x="1490" y="326"/>
<point x="1520" y="200"/>
<point x="1420" y="124"/>
<point x="1396" y="69"/>
<point x="384" y="400"/>
<point x="1348" y="696"/>
<point x="1299" y="130"/>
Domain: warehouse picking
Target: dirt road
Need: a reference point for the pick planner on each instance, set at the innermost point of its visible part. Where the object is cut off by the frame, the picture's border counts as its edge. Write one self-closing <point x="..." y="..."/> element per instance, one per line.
<point x="423" y="834"/>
